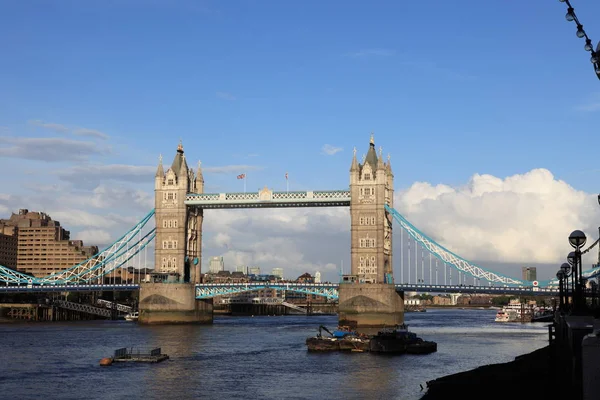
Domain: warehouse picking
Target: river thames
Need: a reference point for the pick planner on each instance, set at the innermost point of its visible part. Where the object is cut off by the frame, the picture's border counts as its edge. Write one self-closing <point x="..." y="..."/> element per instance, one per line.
<point x="246" y="358"/>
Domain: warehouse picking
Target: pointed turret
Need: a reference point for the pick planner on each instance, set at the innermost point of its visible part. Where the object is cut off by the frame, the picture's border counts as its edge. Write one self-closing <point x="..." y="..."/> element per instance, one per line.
<point x="380" y="164"/>
<point x="178" y="160"/>
<point x="388" y="166"/>
<point x="354" y="165"/>
<point x="160" y="171"/>
<point x="199" y="179"/>
<point x="371" y="154"/>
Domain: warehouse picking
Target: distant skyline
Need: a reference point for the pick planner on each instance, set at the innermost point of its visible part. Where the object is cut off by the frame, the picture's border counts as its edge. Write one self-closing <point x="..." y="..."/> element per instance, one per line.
<point x="490" y="117"/>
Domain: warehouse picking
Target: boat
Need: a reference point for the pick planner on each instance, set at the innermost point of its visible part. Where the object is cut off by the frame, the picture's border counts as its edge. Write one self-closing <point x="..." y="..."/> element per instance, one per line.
<point x="396" y="340"/>
<point x="393" y="340"/>
<point x="516" y="311"/>
<point x="341" y="339"/>
<point x="133" y="316"/>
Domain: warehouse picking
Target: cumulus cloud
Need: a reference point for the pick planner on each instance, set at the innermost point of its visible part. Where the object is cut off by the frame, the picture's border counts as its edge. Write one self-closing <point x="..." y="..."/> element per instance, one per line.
<point x="524" y="218"/>
<point x="330" y="150"/>
<point x="48" y="149"/>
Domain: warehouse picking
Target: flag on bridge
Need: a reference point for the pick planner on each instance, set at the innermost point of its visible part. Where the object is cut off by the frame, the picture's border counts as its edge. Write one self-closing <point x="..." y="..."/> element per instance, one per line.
<point x="286" y="175"/>
<point x="241" y="176"/>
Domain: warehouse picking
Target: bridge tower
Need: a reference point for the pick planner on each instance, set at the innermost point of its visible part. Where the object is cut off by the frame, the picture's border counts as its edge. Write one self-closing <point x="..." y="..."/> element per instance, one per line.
<point x="170" y="298"/>
<point x="368" y="298"/>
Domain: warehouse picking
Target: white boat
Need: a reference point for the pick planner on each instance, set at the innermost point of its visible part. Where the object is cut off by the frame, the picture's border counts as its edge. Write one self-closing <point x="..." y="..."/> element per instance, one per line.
<point x="132" y="316"/>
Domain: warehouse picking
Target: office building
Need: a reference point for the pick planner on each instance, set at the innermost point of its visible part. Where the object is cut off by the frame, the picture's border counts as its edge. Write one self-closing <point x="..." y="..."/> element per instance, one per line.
<point x="216" y="265"/>
<point x="317" y="277"/>
<point x="529" y="273"/>
<point x="242" y="268"/>
<point x="278" y="272"/>
<point x="254" y="271"/>
<point x="42" y="245"/>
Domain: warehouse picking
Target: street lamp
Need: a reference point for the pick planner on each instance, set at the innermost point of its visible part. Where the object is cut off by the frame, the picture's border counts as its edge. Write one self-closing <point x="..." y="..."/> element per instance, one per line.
<point x="580" y="33"/>
<point x="577" y="239"/>
<point x="566" y="270"/>
<point x="560" y="275"/>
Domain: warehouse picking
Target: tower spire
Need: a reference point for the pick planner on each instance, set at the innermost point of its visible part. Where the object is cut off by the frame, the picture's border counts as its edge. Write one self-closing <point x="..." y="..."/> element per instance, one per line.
<point x="354" y="165"/>
<point x="160" y="171"/>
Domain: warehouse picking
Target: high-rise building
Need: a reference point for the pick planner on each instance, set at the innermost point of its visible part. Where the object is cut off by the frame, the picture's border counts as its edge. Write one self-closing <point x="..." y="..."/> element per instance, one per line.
<point x="242" y="268"/>
<point x="529" y="273"/>
<point x="216" y="265"/>
<point x="254" y="271"/>
<point x="317" y="277"/>
<point x="42" y="245"/>
<point x="278" y="272"/>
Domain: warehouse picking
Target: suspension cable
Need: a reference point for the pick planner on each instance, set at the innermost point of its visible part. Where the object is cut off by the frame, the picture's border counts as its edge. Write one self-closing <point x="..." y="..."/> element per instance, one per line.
<point x="595" y="58"/>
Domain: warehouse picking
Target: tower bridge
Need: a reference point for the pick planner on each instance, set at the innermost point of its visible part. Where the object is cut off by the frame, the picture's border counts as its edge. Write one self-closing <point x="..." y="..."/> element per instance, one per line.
<point x="367" y="296"/>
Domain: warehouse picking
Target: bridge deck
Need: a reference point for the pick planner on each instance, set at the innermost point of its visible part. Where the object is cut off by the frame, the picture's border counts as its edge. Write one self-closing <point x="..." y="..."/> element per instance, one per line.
<point x="269" y="199"/>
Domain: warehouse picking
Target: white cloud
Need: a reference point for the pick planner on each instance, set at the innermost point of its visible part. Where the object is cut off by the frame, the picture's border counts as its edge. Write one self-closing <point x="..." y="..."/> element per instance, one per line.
<point x="61" y="128"/>
<point x="50" y="125"/>
<point x="48" y="149"/>
<point x="90" y="133"/>
<point x="330" y="150"/>
<point x="96" y="237"/>
<point x="523" y="218"/>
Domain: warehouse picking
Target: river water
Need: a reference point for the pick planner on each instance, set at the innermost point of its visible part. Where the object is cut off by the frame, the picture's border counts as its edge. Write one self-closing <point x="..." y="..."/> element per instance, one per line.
<point x="246" y="358"/>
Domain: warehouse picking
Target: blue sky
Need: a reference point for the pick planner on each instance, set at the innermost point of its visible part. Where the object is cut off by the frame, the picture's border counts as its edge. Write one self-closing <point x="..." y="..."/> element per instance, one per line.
<point x="450" y="89"/>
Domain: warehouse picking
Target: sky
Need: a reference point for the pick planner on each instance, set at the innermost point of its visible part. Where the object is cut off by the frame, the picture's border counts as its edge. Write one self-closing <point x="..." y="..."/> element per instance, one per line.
<point x="489" y="111"/>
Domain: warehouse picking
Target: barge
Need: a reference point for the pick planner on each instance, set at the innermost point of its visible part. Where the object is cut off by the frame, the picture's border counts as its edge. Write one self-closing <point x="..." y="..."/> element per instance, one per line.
<point x="398" y="340"/>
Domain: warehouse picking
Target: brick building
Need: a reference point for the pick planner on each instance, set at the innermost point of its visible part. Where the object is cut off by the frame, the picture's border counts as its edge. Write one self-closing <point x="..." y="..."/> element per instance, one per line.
<point x="42" y="245"/>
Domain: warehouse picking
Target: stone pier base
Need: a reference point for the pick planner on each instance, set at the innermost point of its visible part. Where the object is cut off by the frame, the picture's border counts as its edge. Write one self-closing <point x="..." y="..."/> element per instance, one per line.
<point x="173" y="303"/>
<point x="368" y="307"/>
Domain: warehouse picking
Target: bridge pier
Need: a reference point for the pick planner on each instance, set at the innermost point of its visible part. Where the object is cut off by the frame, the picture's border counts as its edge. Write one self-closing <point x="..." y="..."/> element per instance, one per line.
<point x="368" y="307"/>
<point x="173" y="303"/>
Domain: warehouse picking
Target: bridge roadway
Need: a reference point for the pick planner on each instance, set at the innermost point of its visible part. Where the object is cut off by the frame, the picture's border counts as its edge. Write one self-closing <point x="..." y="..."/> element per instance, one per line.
<point x="329" y="290"/>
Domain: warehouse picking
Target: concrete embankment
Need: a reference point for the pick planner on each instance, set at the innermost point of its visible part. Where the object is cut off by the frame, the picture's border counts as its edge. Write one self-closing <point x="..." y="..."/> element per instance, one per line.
<point x="530" y="376"/>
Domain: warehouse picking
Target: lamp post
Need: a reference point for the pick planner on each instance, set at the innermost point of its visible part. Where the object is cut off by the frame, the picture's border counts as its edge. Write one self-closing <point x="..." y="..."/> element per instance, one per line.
<point x="566" y="270"/>
<point x="580" y="33"/>
<point x="560" y="275"/>
<point x="577" y="239"/>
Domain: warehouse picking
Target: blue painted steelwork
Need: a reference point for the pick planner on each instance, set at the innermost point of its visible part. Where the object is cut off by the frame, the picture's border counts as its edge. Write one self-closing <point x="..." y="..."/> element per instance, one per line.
<point x="68" y="288"/>
<point x="521" y="290"/>
<point x="449" y="257"/>
<point x="209" y="290"/>
<point x="268" y="199"/>
<point x="94" y="268"/>
<point x="330" y="290"/>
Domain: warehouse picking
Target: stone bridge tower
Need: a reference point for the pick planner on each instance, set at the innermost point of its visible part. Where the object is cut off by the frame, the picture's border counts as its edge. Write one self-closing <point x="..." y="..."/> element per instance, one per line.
<point x="178" y="229"/>
<point x="371" y="187"/>
<point x="171" y="297"/>
<point x="368" y="299"/>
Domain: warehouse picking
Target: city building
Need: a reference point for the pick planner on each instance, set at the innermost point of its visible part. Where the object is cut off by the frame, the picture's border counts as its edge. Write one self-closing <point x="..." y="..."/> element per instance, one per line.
<point x="216" y="265"/>
<point x="529" y="273"/>
<point x="278" y="272"/>
<point x="242" y="268"/>
<point x="42" y="245"/>
<point x="254" y="271"/>
<point x="317" y="277"/>
<point x="8" y="247"/>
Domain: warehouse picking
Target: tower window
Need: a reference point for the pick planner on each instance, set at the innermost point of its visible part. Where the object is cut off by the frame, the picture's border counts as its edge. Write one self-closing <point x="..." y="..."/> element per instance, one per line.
<point x="170" y="182"/>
